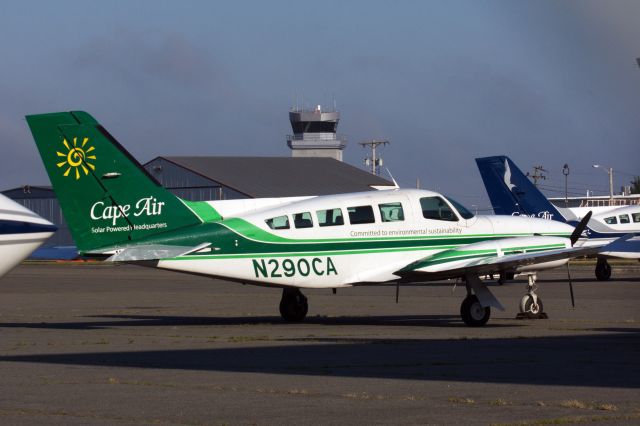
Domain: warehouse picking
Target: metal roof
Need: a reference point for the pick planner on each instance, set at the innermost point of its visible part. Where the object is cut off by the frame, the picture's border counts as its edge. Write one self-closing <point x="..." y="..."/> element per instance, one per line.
<point x="281" y="176"/>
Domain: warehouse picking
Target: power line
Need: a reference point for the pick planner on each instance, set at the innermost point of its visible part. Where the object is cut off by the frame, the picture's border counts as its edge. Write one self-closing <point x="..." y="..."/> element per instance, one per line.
<point x="537" y="174"/>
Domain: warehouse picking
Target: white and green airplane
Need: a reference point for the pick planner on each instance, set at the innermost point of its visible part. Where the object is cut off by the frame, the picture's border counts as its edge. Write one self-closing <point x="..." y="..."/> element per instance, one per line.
<point x="115" y="208"/>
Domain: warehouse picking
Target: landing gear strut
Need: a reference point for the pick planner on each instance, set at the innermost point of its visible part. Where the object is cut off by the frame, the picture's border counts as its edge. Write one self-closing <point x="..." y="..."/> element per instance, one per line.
<point x="293" y="305"/>
<point x="531" y="305"/>
<point x="603" y="269"/>
<point x="504" y="277"/>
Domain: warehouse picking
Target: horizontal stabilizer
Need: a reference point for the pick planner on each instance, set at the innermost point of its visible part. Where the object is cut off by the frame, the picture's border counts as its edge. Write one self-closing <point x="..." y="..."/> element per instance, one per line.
<point x="153" y="252"/>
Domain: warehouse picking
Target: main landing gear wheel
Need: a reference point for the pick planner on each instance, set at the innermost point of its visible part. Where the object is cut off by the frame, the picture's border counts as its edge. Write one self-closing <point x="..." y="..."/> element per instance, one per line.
<point x="472" y="312"/>
<point x="293" y="305"/>
<point x="603" y="270"/>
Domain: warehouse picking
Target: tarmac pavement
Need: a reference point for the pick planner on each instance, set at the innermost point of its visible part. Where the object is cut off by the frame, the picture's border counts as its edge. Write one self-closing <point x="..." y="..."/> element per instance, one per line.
<point x="103" y="344"/>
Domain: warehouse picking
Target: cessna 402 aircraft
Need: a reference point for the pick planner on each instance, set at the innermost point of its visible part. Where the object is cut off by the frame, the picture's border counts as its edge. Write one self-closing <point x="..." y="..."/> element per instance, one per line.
<point x="512" y="193"/>
<point x="114" y="208"/>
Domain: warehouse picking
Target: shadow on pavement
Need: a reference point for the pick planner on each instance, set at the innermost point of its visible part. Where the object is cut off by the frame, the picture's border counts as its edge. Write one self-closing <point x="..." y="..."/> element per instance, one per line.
<point x="602" y="360"/>
<point x="165" y="320"/>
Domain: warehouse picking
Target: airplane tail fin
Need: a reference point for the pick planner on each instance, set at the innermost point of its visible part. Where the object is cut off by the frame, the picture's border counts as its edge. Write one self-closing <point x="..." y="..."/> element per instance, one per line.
<point x="107" y="197"/>
<point x="511" y="192"/>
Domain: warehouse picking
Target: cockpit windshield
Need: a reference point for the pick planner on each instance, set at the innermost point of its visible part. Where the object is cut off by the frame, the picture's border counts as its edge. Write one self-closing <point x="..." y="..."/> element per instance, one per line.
<point x="462" y="210"/>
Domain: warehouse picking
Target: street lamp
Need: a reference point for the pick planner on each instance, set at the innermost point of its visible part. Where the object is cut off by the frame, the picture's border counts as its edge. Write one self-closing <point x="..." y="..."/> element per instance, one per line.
<point x="565" y="172"/>
<point x="610" y="171"/>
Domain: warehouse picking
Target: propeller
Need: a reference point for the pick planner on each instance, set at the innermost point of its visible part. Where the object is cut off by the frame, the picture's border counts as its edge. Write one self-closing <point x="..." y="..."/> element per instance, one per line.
<point x="580" y="228"/>
<point x="574" y="238"/>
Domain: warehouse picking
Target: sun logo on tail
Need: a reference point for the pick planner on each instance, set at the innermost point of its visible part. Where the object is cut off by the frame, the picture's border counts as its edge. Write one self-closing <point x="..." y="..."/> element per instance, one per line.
<point x="77" y="157"/>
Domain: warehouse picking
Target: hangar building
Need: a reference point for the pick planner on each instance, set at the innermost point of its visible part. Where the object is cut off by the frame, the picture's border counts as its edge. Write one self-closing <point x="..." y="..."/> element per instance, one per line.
<point x="224" y="178"/>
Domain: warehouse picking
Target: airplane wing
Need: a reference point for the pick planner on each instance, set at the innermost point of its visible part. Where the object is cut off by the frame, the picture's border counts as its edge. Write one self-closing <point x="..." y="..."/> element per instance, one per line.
<point x="627" y="247"/>
<point x="507" y="254"/>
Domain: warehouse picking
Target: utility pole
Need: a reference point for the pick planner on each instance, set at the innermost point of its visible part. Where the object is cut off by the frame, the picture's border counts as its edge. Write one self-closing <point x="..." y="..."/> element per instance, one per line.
<point x="565" y="172"/>
<point x="610" y="171"/>
<point x="375" y="161"/>
<point x="537" y="174"/>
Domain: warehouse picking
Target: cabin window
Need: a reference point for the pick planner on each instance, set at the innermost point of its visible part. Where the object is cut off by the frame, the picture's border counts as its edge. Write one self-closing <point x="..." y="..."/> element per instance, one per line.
<point x="302" y="220"/>
<point x="391" y="212"/>
<point x="361" y="214"/>
<point x="624" y="218"/>
<point x="280" y="222"/>
<point x="331" y="217"/>
<point x="436" y="208"/>
<point x="636" y="217"/>
<point x="611" y="220"/>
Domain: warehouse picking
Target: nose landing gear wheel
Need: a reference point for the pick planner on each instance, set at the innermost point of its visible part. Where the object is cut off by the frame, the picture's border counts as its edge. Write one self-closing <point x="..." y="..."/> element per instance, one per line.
<point x="293" y="305"/>
<point x="531" y="308"/>
<point x="531" y="305"/>
<point x="472" y="312"/>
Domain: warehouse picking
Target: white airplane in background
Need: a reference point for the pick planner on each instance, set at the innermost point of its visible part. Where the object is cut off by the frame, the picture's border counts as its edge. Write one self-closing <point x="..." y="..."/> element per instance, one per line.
<point x="115" y="209"/>
<point x="21" y="232"/>
<point x="512" y="193"/>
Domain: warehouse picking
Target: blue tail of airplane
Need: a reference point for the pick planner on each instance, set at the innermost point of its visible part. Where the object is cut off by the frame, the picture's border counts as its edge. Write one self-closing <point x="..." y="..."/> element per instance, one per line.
<point x="511" y="192"/>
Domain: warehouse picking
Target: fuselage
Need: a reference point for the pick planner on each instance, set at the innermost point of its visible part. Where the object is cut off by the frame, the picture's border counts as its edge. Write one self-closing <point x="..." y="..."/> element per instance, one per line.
<point x="609" y="226"/>
<point x="342" y="240"/>
<point x="21" y="232"/>
<point x="612" y="224"/>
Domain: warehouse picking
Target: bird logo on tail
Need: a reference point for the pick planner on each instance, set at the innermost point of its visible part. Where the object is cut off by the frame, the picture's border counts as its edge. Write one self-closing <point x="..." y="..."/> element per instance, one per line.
<point x="507" y="176"/>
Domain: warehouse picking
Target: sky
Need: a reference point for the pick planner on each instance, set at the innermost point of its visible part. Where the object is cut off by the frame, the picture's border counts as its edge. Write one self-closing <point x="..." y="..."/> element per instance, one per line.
<point x="544" y="82"/>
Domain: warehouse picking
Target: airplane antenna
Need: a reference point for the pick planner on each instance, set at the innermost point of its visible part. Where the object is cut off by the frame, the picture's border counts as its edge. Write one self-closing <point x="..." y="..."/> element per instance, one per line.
<point x="537" y="174"/>
<point x="395" y="184"/>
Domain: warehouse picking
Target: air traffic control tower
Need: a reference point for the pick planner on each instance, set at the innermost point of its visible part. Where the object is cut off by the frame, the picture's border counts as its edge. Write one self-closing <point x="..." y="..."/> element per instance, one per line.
<point x="314" y="134"/>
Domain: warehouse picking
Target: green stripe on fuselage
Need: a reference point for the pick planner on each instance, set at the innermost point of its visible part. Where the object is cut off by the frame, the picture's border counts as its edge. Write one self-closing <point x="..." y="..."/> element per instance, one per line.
<point x="203" y="210"/>
<point x="237" y="238"/>
<point x="251" y="231"/>
<point x="307" y="253"/>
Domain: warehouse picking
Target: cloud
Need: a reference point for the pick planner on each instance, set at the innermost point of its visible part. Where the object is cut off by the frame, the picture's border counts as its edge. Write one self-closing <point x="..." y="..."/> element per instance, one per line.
<point x="168" y="58"/>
